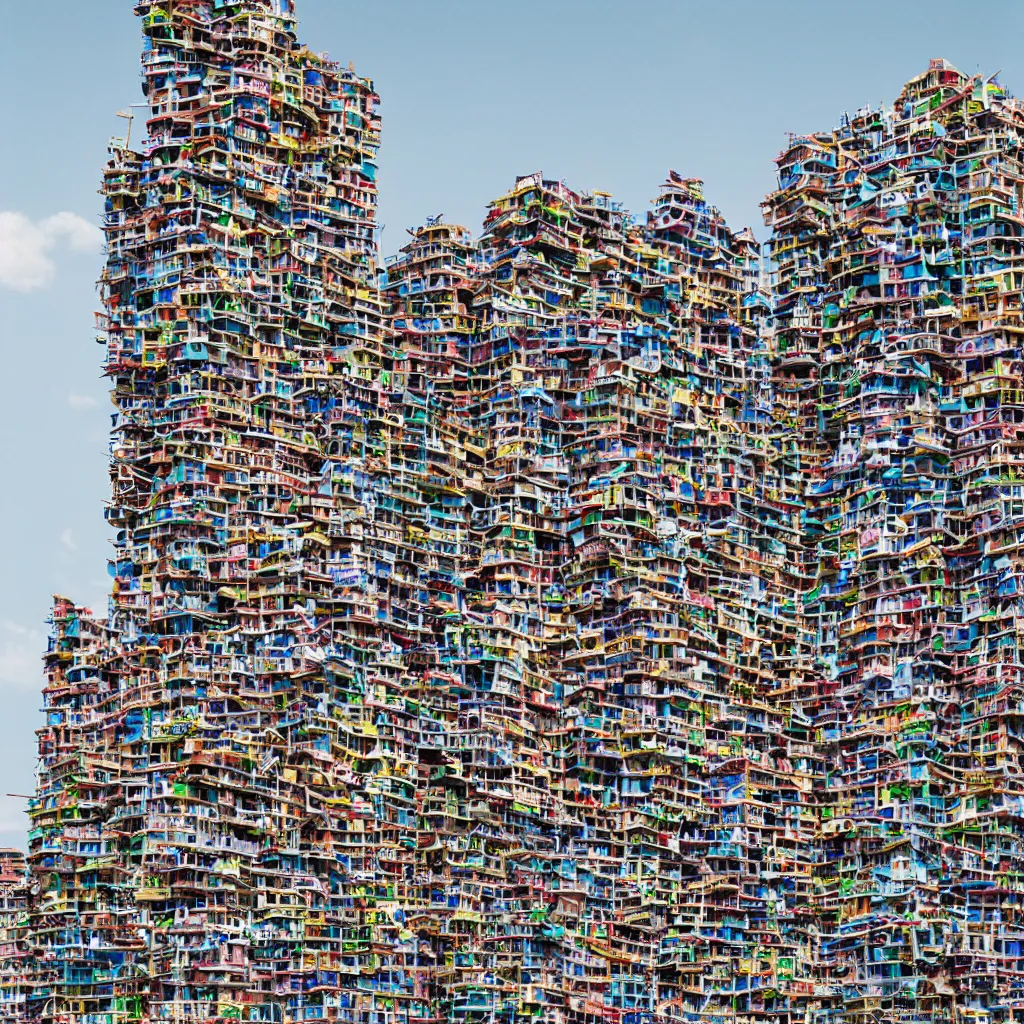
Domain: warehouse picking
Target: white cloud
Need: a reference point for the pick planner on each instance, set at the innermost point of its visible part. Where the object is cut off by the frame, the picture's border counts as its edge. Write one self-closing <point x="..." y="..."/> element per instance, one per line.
<point x="68" y="540"/>
<point x="26" y="246"/>
<point x="21" y="651"/>
<point x="81" y="402"/>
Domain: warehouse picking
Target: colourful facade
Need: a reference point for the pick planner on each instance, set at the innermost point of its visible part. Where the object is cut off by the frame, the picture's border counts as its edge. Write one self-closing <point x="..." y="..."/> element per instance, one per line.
<point x="592" y="620"/>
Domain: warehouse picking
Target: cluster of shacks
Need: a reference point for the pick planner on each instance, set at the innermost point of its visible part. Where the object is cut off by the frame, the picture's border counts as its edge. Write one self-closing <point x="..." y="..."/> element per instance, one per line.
<point x="599" y="620"/>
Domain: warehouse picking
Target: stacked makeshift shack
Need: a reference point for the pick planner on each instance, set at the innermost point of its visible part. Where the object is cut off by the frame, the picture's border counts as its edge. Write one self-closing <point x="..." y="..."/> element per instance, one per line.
<point x="589" y="621"/>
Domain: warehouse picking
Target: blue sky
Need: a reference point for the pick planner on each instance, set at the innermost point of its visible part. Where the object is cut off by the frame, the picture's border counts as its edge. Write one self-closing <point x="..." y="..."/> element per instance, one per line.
<point x="603" y="93"/>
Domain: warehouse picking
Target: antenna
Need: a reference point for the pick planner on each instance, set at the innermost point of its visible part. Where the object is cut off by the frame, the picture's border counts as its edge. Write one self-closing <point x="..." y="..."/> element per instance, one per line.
<point x="129" y="116"/>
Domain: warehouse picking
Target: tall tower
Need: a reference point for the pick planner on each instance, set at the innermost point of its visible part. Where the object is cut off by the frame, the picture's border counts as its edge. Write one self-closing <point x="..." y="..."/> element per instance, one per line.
<point x="176" y="837"/>
<point x="897" y="243"/>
